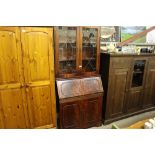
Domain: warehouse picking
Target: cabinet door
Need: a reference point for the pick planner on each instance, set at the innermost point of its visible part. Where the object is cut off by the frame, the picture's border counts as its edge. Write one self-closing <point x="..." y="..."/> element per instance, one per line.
<point x="149" y="97"/>
<point x="38" y="55"/>
<point x="70" y="115"/>
<point x="89" y="49"/>
<point x="116" y="92"/>
<point x="133" y="100"/>
<point x="66" y="51"/>
<point x="92" y="112"/>
<point x="12" y="106"/>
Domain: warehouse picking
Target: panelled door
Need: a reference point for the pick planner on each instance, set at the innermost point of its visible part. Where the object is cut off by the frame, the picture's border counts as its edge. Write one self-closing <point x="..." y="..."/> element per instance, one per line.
<point x="92" y="111"/>
<point x="70" y="115"/>
<point x="39" y="75"/>
<point x="12" y="98"/>
<point x="117" y="87"/>
<point x="149" y="97"/>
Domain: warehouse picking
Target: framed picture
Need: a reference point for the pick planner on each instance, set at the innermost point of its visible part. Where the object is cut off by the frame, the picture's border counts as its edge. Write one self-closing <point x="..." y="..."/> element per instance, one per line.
<point x="129" y="31"/>
<point x="110" y="34"/>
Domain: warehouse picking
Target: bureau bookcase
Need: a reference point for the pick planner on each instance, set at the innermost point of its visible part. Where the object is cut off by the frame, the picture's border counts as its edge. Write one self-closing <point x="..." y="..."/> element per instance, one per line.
<point x="80" y="92"/>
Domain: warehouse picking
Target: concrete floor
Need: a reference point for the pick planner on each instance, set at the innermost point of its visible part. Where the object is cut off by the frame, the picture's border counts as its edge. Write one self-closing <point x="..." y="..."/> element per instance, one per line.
<point x="128" y="121"/>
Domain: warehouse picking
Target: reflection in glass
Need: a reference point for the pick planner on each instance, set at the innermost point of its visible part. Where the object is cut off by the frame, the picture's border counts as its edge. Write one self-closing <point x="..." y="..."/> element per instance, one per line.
<point x="67" y="49"/>
<point x="110" y="34"/>
<point x="89" y="49"/>
<point x="138" y="73"/>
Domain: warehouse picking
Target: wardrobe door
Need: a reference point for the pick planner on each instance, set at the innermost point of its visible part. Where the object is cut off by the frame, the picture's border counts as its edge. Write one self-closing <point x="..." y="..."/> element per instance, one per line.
<point x="37" y="45"/>
<point x="12" y="105"/>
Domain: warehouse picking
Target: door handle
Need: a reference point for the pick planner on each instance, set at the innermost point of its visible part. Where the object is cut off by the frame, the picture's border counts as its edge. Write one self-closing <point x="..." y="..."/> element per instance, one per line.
<point x="22" y="85"/>
<point x="80" y="66"/>
<point x="27" y="84"/>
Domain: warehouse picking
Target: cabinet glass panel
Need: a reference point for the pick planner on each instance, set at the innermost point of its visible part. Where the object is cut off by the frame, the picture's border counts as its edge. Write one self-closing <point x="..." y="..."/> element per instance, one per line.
<point x="89" y="49"/>
<point x="138" y="73"/>
<point x="67" y="49"/>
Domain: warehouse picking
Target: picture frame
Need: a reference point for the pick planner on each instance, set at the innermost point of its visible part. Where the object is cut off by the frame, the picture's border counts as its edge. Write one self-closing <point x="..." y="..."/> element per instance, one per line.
<point x="129" y="31"/>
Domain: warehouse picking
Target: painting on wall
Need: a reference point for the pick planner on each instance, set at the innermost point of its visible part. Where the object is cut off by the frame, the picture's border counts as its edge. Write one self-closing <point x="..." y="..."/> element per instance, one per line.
<point x="110" y="34"/>
<point x="129" y="31"/>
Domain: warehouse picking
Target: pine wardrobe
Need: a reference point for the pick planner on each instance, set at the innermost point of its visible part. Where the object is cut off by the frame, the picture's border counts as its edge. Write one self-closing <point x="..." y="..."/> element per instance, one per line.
<point x="27" y="84"/>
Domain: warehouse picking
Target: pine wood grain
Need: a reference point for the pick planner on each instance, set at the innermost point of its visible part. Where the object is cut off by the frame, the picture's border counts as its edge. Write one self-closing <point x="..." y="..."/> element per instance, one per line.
<point x="39" y="75"/>
<point x="12" y="106"/>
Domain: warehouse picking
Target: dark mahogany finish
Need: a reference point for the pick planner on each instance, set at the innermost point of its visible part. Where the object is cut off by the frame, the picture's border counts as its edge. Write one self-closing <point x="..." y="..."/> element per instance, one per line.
<point x="129" y="84"/>
<point x="92" y="111"/>
<point x="70" y="115"/>
<point x="81" y="105"/>
<point x="77" y="51"/>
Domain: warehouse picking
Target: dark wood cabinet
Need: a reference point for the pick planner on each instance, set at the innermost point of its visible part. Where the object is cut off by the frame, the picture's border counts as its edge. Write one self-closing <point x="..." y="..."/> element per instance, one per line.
<point x="83" y="113"/>
<point x="92" y="111"/>
<point x="133" y="100"/>
<point x="135" y="92"/>
<point x="128" y="83"/>
<point x="79" y="87"/>
<point x="80" y="106"/>
<point x="117" y="85"/>
<point x="149" y="91"/>
<point x="77" y="51"/>
<point x="70" y="115"/>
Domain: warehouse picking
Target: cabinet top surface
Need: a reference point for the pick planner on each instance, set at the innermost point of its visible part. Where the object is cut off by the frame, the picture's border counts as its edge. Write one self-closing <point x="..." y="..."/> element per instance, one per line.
<point x="127" y="54"/>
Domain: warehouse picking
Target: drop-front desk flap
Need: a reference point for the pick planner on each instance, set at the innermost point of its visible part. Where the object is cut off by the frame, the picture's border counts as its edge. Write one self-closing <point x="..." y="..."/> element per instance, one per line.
<point x="78" y="86"/>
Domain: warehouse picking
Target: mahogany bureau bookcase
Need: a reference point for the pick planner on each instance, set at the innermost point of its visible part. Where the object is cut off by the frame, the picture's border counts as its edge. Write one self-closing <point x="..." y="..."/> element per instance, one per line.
<point x="79" y="87"/>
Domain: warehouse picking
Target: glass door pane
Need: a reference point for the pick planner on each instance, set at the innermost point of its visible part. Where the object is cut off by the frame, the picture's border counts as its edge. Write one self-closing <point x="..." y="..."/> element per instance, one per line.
<point x="138" y="73"/>
<point x="67" y="49"/>
<point x="89" y="49"/>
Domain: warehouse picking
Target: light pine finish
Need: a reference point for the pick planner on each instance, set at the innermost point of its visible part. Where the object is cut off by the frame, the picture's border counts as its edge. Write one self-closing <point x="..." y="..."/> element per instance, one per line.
<point x="27" y="84"/>
<point x="138" y="125"/>
<point x="39" y="75"/>
<point x="12" y="95"/>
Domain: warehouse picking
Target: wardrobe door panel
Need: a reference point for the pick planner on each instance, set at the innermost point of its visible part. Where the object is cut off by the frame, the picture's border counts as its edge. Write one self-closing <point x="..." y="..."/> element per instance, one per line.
<point x="37" y="46"/>
<point x="12" y="106"/>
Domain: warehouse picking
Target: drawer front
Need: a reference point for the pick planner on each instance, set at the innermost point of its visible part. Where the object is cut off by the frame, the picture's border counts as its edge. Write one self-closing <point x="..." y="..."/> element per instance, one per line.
<point x="121" y="62"/>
